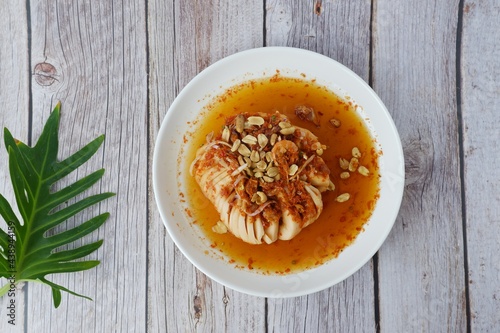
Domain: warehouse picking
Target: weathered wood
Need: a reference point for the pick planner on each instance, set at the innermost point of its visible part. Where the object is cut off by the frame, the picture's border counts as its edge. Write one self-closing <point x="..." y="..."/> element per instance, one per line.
<point x="14" y="115"/>
<point x="421" y="272"/>
<point x="480" y="89"/>
<point x="346" y="307"/>
<point x="92" y="58"/>
<point x="161" y="249"/>
<point x="184" y="38"/>
<point x="341" y="31"/>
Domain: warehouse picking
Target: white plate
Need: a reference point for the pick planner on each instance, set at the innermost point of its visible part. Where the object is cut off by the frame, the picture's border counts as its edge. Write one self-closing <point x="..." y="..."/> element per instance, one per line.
<point x="252" y="64"/>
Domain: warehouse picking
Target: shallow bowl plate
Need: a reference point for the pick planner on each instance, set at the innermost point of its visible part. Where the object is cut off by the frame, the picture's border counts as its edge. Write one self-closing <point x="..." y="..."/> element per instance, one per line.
<point x="169" y="163"/>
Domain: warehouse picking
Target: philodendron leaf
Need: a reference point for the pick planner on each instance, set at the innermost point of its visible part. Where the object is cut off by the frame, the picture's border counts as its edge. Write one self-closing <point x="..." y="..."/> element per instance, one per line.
<point x="27" y="251"/>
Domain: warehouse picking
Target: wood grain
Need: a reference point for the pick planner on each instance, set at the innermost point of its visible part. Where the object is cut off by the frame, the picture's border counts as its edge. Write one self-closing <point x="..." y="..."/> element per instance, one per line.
<point x="14" y="115"/>
<point x="184" y="38"/>
<point x="96" y="53"/>
<point x="480" y="91"/>
<point x="421" y="272"/>
<point x="161" y="250"/>
<point x="342" y="32"/>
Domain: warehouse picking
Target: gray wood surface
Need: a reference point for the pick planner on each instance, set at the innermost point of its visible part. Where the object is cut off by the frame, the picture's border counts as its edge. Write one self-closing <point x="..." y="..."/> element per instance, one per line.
<point x="480" y="109"/>
<point x="421" y="266"/>
<point x="117" y="66"/>
<point x="15" y="96"/>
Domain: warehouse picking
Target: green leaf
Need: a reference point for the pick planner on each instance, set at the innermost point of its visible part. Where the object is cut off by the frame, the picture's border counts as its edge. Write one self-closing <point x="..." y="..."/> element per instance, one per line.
<point x="29" y="250"/>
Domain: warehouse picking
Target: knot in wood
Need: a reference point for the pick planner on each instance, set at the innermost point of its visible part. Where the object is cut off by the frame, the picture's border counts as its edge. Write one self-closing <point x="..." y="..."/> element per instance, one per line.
<point x="45" y="74"/>
<point x="317" y="7"/>
<point x="419" y="157"/>
<point x="197" y="306"/>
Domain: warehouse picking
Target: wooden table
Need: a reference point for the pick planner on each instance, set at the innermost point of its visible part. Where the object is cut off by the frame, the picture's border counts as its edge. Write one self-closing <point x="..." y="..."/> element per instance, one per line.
<point x="116" y="66"/>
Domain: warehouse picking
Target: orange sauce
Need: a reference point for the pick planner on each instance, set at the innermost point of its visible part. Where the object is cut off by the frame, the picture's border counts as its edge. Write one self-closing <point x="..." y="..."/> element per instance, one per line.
<point x="339" y="223"/>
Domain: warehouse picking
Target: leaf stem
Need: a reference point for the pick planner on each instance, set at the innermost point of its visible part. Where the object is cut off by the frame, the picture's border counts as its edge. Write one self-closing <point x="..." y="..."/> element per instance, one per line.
<point x="4" y="289"/>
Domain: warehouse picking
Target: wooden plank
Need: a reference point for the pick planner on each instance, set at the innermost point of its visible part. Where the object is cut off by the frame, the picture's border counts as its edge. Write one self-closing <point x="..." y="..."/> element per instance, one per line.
<point x="421" y="272"/>
<point x="14" y="115"/>
<point x="480" y="88"/>
<point x="347" y="306"/>
<point x="162" y="90"/>
<point x="340" y="31"/>
<point x="93" y="59"/>
<point x="184" y="38"/>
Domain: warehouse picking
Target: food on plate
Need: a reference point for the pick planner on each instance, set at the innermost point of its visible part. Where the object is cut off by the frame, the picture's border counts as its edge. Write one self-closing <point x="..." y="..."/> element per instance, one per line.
<point x="339" y="128"/>
<point x="307" y="113"/>
<point x="264" y="175"/>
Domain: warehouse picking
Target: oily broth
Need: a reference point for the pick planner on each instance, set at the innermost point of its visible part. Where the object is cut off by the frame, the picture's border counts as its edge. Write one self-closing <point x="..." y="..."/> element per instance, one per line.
<point x="339" y="223"/>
